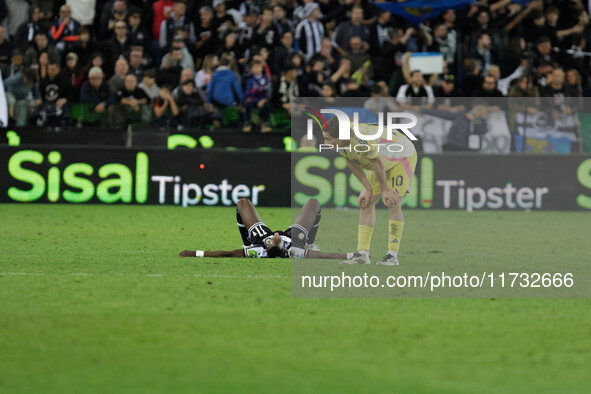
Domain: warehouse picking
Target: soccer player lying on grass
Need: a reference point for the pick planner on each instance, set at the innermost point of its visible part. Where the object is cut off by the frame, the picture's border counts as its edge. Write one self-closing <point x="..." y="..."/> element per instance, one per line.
<point x="390" y="173"/>
<point x="260" y="242"/>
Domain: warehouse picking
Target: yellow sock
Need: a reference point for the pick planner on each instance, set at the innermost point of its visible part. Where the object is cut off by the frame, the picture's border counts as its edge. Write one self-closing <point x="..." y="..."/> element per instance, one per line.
<point x="364" y="234"/>
<point x="394" y="235"/>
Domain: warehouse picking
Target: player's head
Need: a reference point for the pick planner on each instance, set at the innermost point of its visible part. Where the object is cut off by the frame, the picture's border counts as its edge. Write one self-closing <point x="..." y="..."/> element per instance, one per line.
<point x="275" y="246"/>
<point x="331" y="135"/>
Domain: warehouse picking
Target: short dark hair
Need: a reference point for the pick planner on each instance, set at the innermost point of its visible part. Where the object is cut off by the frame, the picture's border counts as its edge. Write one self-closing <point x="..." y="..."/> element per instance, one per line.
<point x="542" y="40"/>
<point x="30" y="74"/>
<point x="413" y="72"/>
<point x="333" y="127"/>
<point x="273" y="252"/>
<point x="225" y="59"/>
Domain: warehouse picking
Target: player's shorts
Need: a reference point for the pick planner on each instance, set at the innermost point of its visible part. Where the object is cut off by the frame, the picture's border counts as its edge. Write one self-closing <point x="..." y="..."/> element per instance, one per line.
<point x="398" y="177"/>
<point x="259" y="231"/>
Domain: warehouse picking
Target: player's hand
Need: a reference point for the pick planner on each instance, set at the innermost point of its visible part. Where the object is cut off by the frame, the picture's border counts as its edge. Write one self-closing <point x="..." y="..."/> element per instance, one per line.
<point x="390" y="198"/>
<point x="364" y="198"/>
<point x="187" y="253"/>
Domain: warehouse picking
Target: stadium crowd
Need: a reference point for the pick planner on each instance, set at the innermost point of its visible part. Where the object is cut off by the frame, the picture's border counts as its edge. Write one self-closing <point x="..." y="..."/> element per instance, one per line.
<point x="188" y="64"/>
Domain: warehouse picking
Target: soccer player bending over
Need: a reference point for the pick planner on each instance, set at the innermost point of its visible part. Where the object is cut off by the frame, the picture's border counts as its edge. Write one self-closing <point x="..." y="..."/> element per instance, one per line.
<point x="260" y="242"/>
<point x="391" y="166"/>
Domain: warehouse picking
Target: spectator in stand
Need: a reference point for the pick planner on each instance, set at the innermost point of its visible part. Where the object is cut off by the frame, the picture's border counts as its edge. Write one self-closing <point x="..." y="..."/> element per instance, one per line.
<point x="41" y="45"/>
<point x="380" y="102"/>
<point x="22" y="96"/>
<point x="120" y="43"/>
<point x="265" y="33"/>
<point x="503" y="84"/>
<point x="555" y="87"/>
<point x="415" y="93"/>
<point x="161" y="10"/>
<point x="64" y="32"/>
<point x="438" y="42"/>
<point x="56" y="92"/>
<point x="473" y="79"/>
<point x="310" y="32"/>
<point x="5" y="51"/>
<point x="245" y="32"/>
<point x="328" y="90"/>
<point x="223" y="89"/>
<point x="129" y="101"/>
<point x="229" y="44"/>
<point x="192" y="109"/>
<point x="96" y="92"/>
<point x="117" y="81"/>
<point x="165" y="109"/>
<point x="113" y="12"/>
<point x="573" y="86"/>
<point x="85" y="47"/>
<point x="489" y="88"/>
<point x="483" y="53"/>
<point x="135" y="64"/>
<point x="524" y="88"/>
<point x="148" y="85"/>
<point x="224" y="20"/>
<point x="542" y="58"/>
<point x="178" y="56"/>
<point x="287" y="89"/>
<point x="447" y="87"/>
<point x="392" y="53"/>
<point x="177" y="23"/>
<point x="207" y="41"/>
<point x="282" y="23"/>
<point x="137" y="32"/>
<point x="26" y="32"/>
<point x="96" y="60"/>
<point x="16" y="65"/>
<point x="203" y="76"/>
<point x="379" y="35"/>
<point x="283" y="52"/>
<point x="360" y="61"/>
<point x="73" y="72"/>
<point x="257" y="95"/>
<point x="340" y="77"/>
<point x="347" y="29"/>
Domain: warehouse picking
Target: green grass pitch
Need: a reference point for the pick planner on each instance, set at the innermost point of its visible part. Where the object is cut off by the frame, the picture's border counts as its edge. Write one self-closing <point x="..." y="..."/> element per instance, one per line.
<point x="94" y="299"/>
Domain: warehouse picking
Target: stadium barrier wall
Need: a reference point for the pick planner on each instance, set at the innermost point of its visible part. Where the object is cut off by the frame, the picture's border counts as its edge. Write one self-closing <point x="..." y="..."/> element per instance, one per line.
<point x="221" y="177"/>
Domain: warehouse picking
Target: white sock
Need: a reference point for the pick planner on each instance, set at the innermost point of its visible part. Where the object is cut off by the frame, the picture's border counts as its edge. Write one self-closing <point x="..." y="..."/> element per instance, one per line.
<point x="392" y="253"/>
<point x="364" y="252"/>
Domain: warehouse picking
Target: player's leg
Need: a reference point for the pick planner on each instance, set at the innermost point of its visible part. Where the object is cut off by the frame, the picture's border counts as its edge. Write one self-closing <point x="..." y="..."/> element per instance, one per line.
<point x="367" y="222"/>
<point x="305" y="227"/>
<point x="247" y="219"/>
<point x="367" y="216"/>
<point x="399" y="178"/>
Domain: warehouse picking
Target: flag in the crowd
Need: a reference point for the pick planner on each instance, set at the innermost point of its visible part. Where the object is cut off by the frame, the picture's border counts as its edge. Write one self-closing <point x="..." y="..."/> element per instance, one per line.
<point x="3" y="105"/>
<point x="418" y="11"/>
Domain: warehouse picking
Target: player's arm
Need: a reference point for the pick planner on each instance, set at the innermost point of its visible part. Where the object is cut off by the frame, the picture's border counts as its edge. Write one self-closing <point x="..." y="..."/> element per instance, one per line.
<point x="216" y="253"/>
<point x="378" y="168"/>
<point x="388" y="196"/>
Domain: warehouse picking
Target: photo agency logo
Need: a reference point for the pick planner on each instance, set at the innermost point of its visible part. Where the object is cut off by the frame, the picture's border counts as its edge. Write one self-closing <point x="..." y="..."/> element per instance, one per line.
<point x="367" y="135"/>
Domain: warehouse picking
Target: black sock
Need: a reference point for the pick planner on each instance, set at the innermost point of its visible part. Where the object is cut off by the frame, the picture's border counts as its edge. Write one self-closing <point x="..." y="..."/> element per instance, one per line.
<point x="314" y="230"/>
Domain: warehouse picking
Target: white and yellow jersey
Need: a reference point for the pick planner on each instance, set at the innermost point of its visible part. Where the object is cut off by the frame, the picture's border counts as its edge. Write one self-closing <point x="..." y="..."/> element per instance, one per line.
<point x="391" y="151"/>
